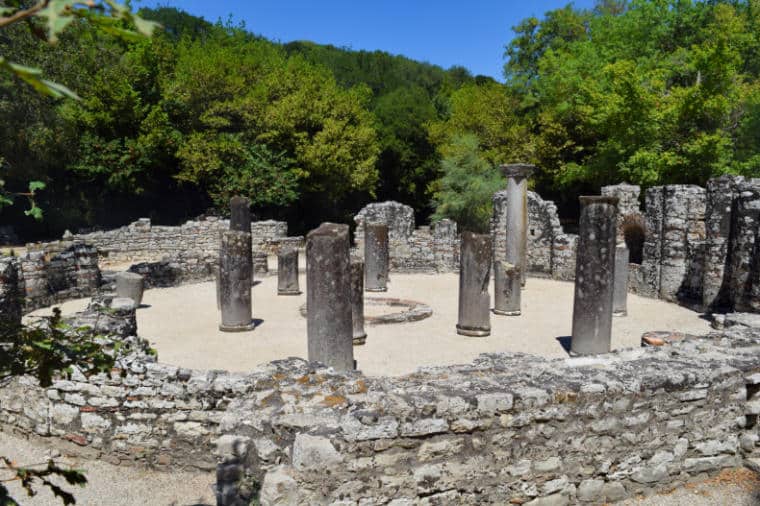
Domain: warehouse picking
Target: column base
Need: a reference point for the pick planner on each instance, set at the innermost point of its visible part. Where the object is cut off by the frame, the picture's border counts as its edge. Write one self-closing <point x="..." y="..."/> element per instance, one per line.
<point x="375" y="289"/>
<point x="506" y="313"/>
<point x="289" y="292"/>
<point x="473" y="331"/>
<point x="360" y="340"/>
<point x="620" y="313"/>
<point x="245" y="327"/>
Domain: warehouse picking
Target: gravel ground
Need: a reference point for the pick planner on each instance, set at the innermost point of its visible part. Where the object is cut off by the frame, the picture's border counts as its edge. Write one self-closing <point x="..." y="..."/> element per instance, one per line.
<point x="108" y="484"/>
<point x="182" y="324"/>
<point x="129" y="486"/>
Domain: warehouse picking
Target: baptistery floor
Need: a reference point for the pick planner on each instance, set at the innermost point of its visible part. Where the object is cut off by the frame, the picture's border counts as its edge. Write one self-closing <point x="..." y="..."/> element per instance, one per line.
<point x="182" y="324"/>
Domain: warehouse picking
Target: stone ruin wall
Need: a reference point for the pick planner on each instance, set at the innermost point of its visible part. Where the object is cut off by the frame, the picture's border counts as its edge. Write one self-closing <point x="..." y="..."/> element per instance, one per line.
<point x="551" y="252"/>
<point x="699" y="248"/>
<point x="506" y="428"/>
<point x="143" y="241"/>
<point x="167" y="256"/>
<point x="433" y="248"/>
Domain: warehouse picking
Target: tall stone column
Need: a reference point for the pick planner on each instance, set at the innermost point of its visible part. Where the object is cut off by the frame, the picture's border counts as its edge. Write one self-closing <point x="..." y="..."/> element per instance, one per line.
<point x="376" y="257"/>
<point x="594" y="276"/>
<point x="517" y="215"/>
<point x="236" y="270"/>
<point x="235" y="279"/>
<point x="357" y="302"/>
<point x="474" y="276"/>
<point x="328" y="297"/>
<point x="240" y="214"/>
<point x="620" y="297"/>
<point x="506" y="289"/>
<point x="287" y="272"/>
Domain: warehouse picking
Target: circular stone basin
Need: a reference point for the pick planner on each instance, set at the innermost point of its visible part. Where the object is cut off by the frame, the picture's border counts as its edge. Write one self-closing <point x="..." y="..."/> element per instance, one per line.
<point x="181" y="323"/>
<point x="385" y="310"/>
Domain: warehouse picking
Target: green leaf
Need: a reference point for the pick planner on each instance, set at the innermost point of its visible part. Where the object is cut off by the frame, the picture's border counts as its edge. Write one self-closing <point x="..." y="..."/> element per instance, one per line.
<point x="35" y="212"/>
<point x="36" y="185"/>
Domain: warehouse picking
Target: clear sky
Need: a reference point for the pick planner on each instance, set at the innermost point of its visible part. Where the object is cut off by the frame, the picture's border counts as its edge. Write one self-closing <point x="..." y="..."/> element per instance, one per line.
<point x="470" y="33"/>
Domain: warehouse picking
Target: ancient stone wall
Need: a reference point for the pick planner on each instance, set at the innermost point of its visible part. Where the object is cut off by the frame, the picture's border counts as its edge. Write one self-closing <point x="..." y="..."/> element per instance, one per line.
<point x="11" y="295"/>
<point x="506" y="428"/>
<point x="433" y="248"/>
<point x="744" y="256"/>
<point x="65" y="270"/>
<point x="551" y="252"/>
<point x="142" y="241"/>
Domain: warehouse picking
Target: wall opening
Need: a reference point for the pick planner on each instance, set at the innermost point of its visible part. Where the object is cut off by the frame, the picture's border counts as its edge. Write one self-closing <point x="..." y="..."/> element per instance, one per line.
<point x="634" y="234"/>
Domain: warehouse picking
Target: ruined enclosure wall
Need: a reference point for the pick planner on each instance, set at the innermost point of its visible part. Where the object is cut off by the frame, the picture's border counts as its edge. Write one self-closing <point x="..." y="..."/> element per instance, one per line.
<point x="433" y="248"/>
<point x="744" y="253"/>
<point x="142" y="241"/>
<point x="62" y="271"/>
<point x="675" y="244"/>
<point x="551" y="252"/>
<point x="508" y="427"/>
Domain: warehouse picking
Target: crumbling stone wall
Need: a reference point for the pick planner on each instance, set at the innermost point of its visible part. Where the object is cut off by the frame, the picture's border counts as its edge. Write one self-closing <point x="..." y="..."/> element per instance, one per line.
<point x="142" y="241"/>
<point x="744" y="259"/>
<point x="674" y="245"/>
<point x="508" y="427"/>
<point x="721" y="195"/>
<point x="65" y="270"/>
<point x="551" y="252"/>
<point x="433" y="248"/>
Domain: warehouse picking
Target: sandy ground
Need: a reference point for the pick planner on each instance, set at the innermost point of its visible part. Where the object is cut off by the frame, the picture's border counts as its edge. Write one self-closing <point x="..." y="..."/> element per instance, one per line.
<point x="110" y="485"/>
<point x="181" y="323"/>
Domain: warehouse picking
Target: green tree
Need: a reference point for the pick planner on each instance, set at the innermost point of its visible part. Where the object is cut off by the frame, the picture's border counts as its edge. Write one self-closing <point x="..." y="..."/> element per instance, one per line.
<point x="466" y="189"/>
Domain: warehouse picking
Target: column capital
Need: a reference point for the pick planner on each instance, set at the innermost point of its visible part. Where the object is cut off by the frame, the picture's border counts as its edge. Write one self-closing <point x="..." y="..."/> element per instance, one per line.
<point x="518" y="170"/>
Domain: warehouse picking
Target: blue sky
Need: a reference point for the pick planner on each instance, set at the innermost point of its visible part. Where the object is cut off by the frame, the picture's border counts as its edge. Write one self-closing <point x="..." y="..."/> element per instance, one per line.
<point x="445" y="32"/>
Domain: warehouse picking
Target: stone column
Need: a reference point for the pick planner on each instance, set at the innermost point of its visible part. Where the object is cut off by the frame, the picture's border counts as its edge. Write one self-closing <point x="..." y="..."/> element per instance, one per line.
<point x="287" y="272"/>
<point x="357" y="302"/>
<point x="130" y="285"/>
<point x="235" y="279"/>
<point x="474" y="275"/>
<point x="506" y="289"/>
<point x="240" y="214"/>
<point x="594" y="276"/>
<point x="376" y="257"/>
<point x="328" y="297"/>
<point x="517" y="215"/>
<point x="11" y="296"/>
<point x="620" y="296"/>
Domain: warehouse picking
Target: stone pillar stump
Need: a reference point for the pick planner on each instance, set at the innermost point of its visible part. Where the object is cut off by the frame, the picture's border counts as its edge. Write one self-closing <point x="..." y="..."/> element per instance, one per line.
<point x="474" y="276"/>
<point x="594" y="276"/>
<point x="376" y="259"/>
<point x="328" y="297"/>
<point x="287" y="272"/>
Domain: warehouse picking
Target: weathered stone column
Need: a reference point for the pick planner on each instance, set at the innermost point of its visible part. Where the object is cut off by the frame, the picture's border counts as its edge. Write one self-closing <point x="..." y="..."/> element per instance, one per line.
<point x="11" y="297"/>
<point x="235" y="279"/>
<point x="376" y="257"/>
<point x="517" y="215"/>
<point x="594" y="276"/>
<point x="130" y="285"/>
<point x="287" y="272"/>
<point x="474" y="275"/>
<point x="240" y="214"/>
<point x="236" y="269"/>
<point x="357" y="302"/>
<point x="620" y="296"/>
<point x="506" y="288"/>
<point x="328" y="297"/>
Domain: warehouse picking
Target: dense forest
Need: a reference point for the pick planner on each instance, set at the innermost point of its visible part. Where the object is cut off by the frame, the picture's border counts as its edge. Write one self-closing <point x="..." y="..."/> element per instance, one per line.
<point x="645" y="91"/>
